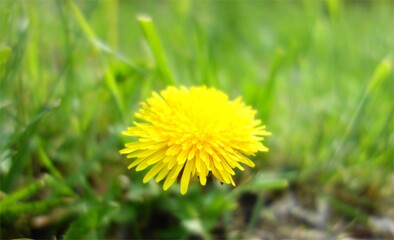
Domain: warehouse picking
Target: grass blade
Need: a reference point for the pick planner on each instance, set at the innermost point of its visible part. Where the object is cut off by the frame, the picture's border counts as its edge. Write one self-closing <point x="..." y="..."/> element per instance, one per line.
<point x="382" y="71"/>
<point x="31" y="207"/>
<point x="264" y="99"/>
<point x="81" y="21"/>
<point x="153" y="39"/>
<point x="22" y="141"/>
<point x="25" y="192"/>
<point x="48" y="163"/>
<point x="109" y="78"/>
<point x="260" y="182"/>
<point x="112" y="36"/>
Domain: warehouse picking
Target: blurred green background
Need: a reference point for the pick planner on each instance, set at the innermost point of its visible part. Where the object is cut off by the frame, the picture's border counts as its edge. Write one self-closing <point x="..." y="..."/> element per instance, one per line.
<point x="319" y="73"/>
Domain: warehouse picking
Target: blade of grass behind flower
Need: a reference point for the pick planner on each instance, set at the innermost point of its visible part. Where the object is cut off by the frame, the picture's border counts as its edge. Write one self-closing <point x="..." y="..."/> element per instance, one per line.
<point x="4" y="55"/>
<point x="381" y="72"/>
<point x="59" y="186"/>
<point x="204" y="56"/>
<point x="260" y="183"/>
<point x="22" y="140"/>
<point x="334" y="7"/>
<point x="25" y="192"/>
<point x="78" y="177"/>
<point x="98" y="44"/>
<point x="86" y="223"/>
<point x="266" y="95"/>
<point x="108" y="75"/>
<point x="153" y="39"/>
<point x="348" y="210"/>
<point x="48" y="163"/>
<point x="112" y="16"/>
<point x="92" y="216"/>
<point x="31" y="52"/>
<point x="14" y="56"/>
<point x="87" y="30"/>
<point x="32" y="207"/>
<point x="4" y="24"/>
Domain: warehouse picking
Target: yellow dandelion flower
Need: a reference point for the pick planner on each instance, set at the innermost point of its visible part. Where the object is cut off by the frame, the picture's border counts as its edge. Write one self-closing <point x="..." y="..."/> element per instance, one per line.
<point x="187" y="132"/>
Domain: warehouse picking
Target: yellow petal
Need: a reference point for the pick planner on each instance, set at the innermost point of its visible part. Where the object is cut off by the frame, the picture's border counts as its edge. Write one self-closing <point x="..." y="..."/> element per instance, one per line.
<point x="136" y="162"/>
<point x="227" y="168"/>
<point x="126" y="150"/>
<point x="172" y="176"/>
<point x="153" y="172"/>
<point x="182" y="157"/>
<point x="142" y="153"/>
<point x="159" y="155"/>
<point x="217" y="164"/>
<point x="186" y="176"/>
<point x="172" y="163"/>
<point x="191" y="153"/>
<point x="163" y="173"/>
<point x="203" y="174"/>
<point x="173" y="150"/>
<point x="217" y="174"/>
<point x="245" y="160"/>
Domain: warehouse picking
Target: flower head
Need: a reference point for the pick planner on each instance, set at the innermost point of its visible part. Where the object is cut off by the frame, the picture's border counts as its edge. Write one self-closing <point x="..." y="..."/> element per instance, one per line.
<point x="187" y="132"/>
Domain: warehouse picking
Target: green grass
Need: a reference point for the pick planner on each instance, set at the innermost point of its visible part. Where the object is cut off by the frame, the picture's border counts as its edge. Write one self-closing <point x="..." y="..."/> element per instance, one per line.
<point x="320" y="74"/>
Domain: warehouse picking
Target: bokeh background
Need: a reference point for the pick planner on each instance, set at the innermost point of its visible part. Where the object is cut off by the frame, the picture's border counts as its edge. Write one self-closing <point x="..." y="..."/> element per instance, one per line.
<point x="319" y="73"/>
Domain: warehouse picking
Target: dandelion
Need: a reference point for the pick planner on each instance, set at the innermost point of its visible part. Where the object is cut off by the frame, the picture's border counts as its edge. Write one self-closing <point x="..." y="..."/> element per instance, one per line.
<point x="187" y="132"/>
